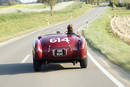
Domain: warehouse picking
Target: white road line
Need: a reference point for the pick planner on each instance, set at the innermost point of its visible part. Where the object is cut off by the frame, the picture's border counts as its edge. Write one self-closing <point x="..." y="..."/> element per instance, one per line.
<point x="114" y="80"/>
<point x="24" y="60"/>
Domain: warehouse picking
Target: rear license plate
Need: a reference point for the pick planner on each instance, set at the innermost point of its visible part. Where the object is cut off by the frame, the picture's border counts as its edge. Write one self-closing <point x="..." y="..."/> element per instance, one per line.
<point x="60" y="52"/>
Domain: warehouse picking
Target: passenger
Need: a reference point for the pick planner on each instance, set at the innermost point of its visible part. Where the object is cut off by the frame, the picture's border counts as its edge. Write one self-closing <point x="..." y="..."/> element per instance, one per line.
<point x="70" y="29"/>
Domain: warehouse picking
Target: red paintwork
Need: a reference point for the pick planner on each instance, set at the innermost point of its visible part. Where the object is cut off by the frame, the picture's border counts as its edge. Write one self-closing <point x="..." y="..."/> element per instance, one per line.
<point x="39" y="49"/>
<point x="76" y="47"/>
<point x="83" y="49"/>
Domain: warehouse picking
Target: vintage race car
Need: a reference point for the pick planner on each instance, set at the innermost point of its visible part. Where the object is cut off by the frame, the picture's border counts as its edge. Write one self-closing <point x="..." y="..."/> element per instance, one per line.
<point x="59" y="48"/>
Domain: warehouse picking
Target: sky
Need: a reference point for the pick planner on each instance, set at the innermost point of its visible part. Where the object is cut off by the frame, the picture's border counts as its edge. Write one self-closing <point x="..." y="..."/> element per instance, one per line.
<point x="25" y="1"/>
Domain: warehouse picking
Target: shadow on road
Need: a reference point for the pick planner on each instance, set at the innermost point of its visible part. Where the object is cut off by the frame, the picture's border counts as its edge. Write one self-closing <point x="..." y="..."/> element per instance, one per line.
<point x="12" y="69"/>
<point x="56" y="67"/>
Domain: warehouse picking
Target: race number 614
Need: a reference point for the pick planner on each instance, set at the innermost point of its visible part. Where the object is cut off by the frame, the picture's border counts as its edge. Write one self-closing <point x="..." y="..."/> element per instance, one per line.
<point x="54" y="40"/>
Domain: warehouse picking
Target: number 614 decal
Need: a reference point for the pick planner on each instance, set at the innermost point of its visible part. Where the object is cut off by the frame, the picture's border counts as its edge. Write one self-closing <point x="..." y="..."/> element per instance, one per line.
<point x="54" y="40"/>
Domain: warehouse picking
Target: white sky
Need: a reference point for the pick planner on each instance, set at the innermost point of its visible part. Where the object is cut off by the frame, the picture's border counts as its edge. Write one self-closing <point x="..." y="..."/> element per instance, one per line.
<point x="28" y="1"/>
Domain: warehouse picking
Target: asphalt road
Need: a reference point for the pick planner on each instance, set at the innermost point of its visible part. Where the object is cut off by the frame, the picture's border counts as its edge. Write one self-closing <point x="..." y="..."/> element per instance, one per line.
<point x="16" y="62"/>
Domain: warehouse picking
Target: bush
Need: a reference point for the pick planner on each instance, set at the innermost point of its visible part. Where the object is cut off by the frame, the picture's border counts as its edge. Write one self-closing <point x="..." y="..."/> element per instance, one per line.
<point x="128" y="6"/>
<point x="118" y="4"/>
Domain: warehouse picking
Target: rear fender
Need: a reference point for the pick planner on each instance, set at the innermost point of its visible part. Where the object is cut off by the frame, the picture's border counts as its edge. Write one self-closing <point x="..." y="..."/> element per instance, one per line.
<point x="38" y="49"/>
<point x="83" y="49"/>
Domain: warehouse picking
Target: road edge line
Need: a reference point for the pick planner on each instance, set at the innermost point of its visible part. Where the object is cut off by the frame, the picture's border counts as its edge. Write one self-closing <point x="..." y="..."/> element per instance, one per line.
<point x="24" y="60"/>
<point x="111" y="77"/>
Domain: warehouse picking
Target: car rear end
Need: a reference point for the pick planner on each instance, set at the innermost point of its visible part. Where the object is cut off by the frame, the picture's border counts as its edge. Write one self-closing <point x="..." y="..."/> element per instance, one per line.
<point x="58" y="49"/>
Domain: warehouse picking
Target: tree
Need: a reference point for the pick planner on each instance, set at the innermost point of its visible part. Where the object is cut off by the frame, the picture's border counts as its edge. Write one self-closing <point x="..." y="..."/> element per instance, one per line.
<point x="51" y="4"/>
<point x="86" y="1"/>
<point x="40" y="1"/>
<point x="98" y="1"/>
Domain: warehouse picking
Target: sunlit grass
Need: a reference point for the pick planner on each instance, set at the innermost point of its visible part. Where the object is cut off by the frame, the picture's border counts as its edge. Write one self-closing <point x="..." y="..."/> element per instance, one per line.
<point x="99" y="36"/>
<point x="36" y="6"/>
<point x="15" y="24"/>
<point x="121" y="11"/>
<point x="2" y="6"/>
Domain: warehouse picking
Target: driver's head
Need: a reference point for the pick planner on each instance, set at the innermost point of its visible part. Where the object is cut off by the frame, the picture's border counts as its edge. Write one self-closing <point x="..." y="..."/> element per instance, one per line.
<point x="70" y="28"/>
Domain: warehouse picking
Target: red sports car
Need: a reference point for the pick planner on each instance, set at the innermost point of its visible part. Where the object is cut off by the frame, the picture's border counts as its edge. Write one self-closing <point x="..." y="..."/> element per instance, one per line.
<point x="59" y="48"/>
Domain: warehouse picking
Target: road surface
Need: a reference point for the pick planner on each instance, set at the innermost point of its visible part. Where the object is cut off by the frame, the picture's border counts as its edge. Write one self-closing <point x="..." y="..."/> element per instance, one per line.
<point x="16" y="68"/>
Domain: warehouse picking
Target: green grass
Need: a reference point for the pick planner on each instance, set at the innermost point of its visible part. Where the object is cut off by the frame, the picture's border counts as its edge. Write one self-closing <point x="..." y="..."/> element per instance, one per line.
<point x="121" y="11"/>
<point x="99" y="36"/>
<point x="12" y="25"/>
<point x="36" y="6"/>
<point x="2" y="6"/>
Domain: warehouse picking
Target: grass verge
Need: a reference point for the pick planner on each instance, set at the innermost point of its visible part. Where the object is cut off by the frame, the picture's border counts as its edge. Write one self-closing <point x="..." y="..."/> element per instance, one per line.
<point x="100" y="37"/>
<point x="12" y="25"/>
<point x="36" y="6"/>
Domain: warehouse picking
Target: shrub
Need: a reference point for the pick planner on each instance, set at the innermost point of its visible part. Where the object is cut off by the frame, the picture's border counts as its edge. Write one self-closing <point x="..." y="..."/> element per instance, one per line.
<point x="128" y="6"/>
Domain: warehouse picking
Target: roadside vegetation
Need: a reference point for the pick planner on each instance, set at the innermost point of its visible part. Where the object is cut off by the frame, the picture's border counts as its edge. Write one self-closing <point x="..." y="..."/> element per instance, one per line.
<point x="14" y="24"/>
<point x="99" y="36"/>
<point x="9" y="2"/>
<point x="35" y="6"/>
<point x="120" y="3"/>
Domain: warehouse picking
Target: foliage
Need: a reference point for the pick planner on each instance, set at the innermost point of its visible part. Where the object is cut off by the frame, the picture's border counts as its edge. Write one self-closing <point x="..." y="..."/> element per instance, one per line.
<point x="120" y="3"/>
<point x="128" y="5"/>
<point x="51" y="3"/>
<point x="94" y="1"/>
<point x="9" y="2"/>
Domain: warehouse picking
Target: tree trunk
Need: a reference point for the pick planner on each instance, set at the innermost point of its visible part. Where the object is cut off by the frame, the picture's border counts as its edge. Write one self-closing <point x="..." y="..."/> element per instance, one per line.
<point x="51" y="10"/>
<point x="97" y="2"/>
<point x="86" y="1"/>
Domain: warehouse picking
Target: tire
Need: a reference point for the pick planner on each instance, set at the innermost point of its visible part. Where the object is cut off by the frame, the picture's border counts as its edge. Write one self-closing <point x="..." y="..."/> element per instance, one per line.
<point x="37" y="65"/>
<point x="83" y="63"/>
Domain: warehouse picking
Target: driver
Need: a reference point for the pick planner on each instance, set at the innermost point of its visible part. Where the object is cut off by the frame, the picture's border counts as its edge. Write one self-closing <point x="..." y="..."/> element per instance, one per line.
<point x="70" y="29"/>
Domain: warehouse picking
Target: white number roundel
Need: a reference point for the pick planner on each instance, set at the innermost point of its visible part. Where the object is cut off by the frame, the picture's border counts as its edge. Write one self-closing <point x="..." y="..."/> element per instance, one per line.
<point x="54" y="40"/>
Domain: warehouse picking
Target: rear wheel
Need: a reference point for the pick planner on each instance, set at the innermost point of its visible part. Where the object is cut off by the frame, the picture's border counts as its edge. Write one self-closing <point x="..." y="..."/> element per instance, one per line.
<point x="37" y="65"/>
<point x="83" y="63"/>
